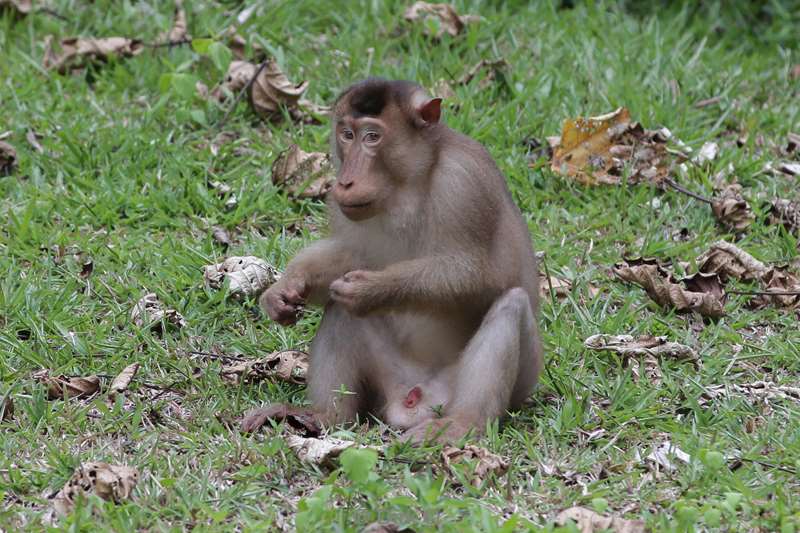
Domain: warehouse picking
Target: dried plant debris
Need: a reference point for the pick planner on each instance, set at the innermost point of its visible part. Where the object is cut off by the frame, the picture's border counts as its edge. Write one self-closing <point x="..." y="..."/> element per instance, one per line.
<point x="484" y="463"/>
<point x="664" y="455"/>
<point x="123" y="380"/>
<point x="65" y="387"/>
<point x="781" y="289"/>
<point x="149" y="311"/>
<point x="493" y="69"/>
<point x="756" y="392"/>
<point x="269" y="92"/>
<point x="298" y="418"/>
<point x="731" y="209"/>
<point x="246" y="276"/>
<point x="8" y="159"/>
<point x="560" y="287"/>
<point x="589" y="521"/>
<point x="385" y="527"/>
<point x="785" y="213"/>
<point x="221" y="236"/>
<point x="303" y="174"/>
<point x="702" y="293"/>
<point x="730" y="262"/>
<point x="789" y="168"/>
<point x="630" y="346"/>
<point x="321" y="451"/>
<point x="606" y="148"/>
<point x="17" y="7"/>
<point x="7" y="409"/>
<point x="76" y="53"/>
<point x="179" y="33"/>
<point x="113" y="483"/>
<point x="438" y="19"/>
<point x="288" y="365"/>
<point x="708" y="152"/>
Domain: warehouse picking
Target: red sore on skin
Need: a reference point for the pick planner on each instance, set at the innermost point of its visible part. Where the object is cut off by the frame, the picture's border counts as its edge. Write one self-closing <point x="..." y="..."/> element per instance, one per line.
<point x="413" y="397"/>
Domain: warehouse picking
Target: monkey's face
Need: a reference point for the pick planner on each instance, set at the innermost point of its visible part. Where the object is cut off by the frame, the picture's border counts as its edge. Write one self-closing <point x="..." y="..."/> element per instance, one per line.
<point x="363" y="181"/>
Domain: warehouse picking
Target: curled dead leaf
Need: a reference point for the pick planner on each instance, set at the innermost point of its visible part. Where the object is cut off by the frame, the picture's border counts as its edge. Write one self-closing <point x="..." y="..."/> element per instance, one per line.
<point x="589" y="521"/>
<point x="494" y="71"/>
<point x="113" y="483"/>
<point x="438" y="19"/>
<point x="789" y="168"/>
<point x="303" y="174"/>
<point x="484" y="461"/>
<point x="287" y="365"/>
<point x="703" y="293"/>
<point x="320" y="451"/>
<point x="8" y="159"/>
<point x="247" y="276"/>
<point x="179" y="32"/>
<point x="77" y="53"/>
<point x="298" y="418"/>
<point x="731" y="209"/>
<point x="708" y="152"/>
<point x="786" y="213"/>
<point x="269" y="92"/>
<point x="630" y="346"/>
<point x="221" y="235"/>
<point x="729" y="261"/>
<point x="778" y="280"/>
<point x="17" y="7"/>
<point x="7" y="409"/>
<point x="560" y="287"/>
<point x="148" y="311"/>
<point x="124" y="378"/>
<point x="603" y="149"/>
<point x="65" y="387"/>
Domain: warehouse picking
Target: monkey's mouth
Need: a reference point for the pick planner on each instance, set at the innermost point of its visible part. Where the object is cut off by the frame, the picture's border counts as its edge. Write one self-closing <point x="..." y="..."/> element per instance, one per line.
<point x="357" y="211"/>
<point x="356" y="206"/>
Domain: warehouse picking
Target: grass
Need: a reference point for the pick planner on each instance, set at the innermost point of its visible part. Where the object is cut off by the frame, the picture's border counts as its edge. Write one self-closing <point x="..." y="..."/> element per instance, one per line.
<point x="123" y="179"/>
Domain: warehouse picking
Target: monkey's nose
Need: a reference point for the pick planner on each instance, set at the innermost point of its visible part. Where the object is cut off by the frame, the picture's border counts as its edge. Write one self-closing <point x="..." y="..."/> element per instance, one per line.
<point x="345" y="184"/>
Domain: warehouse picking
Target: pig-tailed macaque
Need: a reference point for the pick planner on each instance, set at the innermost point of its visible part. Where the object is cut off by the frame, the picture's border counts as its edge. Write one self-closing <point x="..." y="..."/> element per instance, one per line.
<point x="428" y="278"/>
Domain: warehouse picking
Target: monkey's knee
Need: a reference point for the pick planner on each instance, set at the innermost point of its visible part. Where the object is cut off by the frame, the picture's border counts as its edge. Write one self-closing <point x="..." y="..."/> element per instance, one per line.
<point x="515" y="301"/>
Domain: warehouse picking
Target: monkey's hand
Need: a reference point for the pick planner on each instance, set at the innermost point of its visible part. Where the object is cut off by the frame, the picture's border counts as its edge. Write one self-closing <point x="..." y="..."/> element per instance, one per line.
<point x="284" y="301"/>
<point x="357" y="291"/>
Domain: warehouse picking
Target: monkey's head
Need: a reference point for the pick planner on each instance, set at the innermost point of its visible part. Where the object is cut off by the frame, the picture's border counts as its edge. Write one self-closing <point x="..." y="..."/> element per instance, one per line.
<point x="384" y="136"/>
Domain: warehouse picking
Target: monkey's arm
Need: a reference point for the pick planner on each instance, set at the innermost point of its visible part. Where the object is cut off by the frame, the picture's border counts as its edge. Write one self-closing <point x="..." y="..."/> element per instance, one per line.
<point x="436" y="281"/>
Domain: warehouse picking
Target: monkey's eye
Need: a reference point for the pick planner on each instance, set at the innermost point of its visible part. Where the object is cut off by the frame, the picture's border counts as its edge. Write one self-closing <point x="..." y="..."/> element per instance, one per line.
<point x="347" y="135"/>
<point x="371" y="137"/>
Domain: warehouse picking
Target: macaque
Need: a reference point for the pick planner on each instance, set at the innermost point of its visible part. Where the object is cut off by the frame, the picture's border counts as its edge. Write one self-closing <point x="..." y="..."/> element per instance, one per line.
<point x="428" y="278"/>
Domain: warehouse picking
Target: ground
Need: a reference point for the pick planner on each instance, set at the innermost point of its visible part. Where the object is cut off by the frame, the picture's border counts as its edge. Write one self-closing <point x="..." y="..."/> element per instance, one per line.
<point x="122" y="177"/>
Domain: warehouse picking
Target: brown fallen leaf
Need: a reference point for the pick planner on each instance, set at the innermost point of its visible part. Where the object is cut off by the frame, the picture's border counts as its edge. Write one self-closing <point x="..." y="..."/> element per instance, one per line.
<point x="561" y="287"/>
<point x="320" y="451"/>
<point x="287" y="365"/>
<point x="731" y="209"/>
<point x="298" y="418"/>
<point x="113" y="483"/>
<point x="703" y="293"/>
<point x="786" y="213"/>
<point x="148" y="311"/>
<point x="495" y="70"/>
<point x="589" y="521"/>
<point x="123" y="380"/>
<point x="757" y="392"/>
<point x="77" y="52"/>
<point x="485" y="462"/>
<point x="789" y="168"/>
<point x="269" y="92"/>
<point x="385" y="527"/>
<point x="303" y="174"/>
<point x="7" y="409"/>
<point x="730" y="262"/>
<point x="17" y="7"/>
<point x="630" y="346"/>
<point x="246" y="276"/>
<point x="179" y="31"/>
<point x="600" y="150"/>
<point x="778" y="280"/>
<point x="8" y="159"/>
<point x="438" y="19"/>
<point x="221" y="235"/>
<point x="65" y="387"/>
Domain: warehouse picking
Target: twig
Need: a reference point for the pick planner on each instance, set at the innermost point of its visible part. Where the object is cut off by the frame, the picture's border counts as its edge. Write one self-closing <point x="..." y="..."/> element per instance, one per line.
<point x="239" y="96"/>
<point x="170" y="44"/>
<point x="216" y="355"/>
<point x="687" y="192"/>
<point x="52" y="13"/>
<point x="767" y="293"/>
<point x="768" y="465"/>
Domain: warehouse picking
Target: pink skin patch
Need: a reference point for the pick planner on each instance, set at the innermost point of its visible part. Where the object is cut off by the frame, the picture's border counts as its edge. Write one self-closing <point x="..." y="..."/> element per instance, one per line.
<point x="413" y="397"/>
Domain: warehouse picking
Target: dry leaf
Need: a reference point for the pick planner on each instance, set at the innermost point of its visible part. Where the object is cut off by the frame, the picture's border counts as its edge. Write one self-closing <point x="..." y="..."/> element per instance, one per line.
<point x="149" y="311"/>
<point x="778" y="279"/>
<point x="112" y="483"/>
<point x="756" y="392"/>
<point x="385" y="527"/>
<point x="8" y="158"/>
<point x="731" y="209"/>
<point x="77" y="52"/>
<point x="663" y="454"/>
<point x="589" y="521"/>
<point x="298" y="418"/>
<point x="17" y="7"/>
<point x="123" y="380"/>
<point x="703" y="293"/>
<point x="708" y="152"/>
<point x="602" y="149"/>
<point x="64" y="387"/>
<point x="485" y="462"/>
<point x="303" y="174"/>
<point x="269" y="92"/>
<point x="630" y="346"/>
<point x="494" y="71"/>
<point x="33" y="139"/>
<point x="179" y="32"/>
<point x="729" y="261"/>
<point x="443" y="17"/>
<point x="221" y="235"/>
<point x="791" y="169"/>
<point x="784" y="212"/>
<point x="287" y="365"/>
<point x="247" y="276"/>
<point x="7" y="409"/>
<point x="792" y="143"/>
<point x="320" y="451"/>
<point x="561" y="287"/>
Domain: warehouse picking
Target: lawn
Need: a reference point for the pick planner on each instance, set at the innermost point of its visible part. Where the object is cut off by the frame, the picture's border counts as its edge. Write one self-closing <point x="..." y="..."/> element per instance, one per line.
<point x="115" y="203"/>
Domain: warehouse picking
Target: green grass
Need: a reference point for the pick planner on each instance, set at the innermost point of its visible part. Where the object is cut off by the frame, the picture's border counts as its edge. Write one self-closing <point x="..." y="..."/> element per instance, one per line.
<point x="123" y="179"/>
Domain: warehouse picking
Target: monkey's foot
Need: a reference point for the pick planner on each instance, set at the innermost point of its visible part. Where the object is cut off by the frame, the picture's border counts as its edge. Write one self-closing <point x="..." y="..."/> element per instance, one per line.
<point x="445" y="430"/>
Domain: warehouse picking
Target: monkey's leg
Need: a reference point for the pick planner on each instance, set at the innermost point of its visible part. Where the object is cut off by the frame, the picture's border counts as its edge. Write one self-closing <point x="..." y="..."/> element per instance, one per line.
<point x="335" y="385"/>
<point x="488" y="370"/>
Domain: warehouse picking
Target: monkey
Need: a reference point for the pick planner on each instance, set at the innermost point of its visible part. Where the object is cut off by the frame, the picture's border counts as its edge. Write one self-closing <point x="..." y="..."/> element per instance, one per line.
<point x="428" y="277"/>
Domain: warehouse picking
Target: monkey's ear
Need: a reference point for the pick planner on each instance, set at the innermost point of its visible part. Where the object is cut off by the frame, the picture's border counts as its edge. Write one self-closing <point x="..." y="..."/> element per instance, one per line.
<point x="430" y="111"/>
